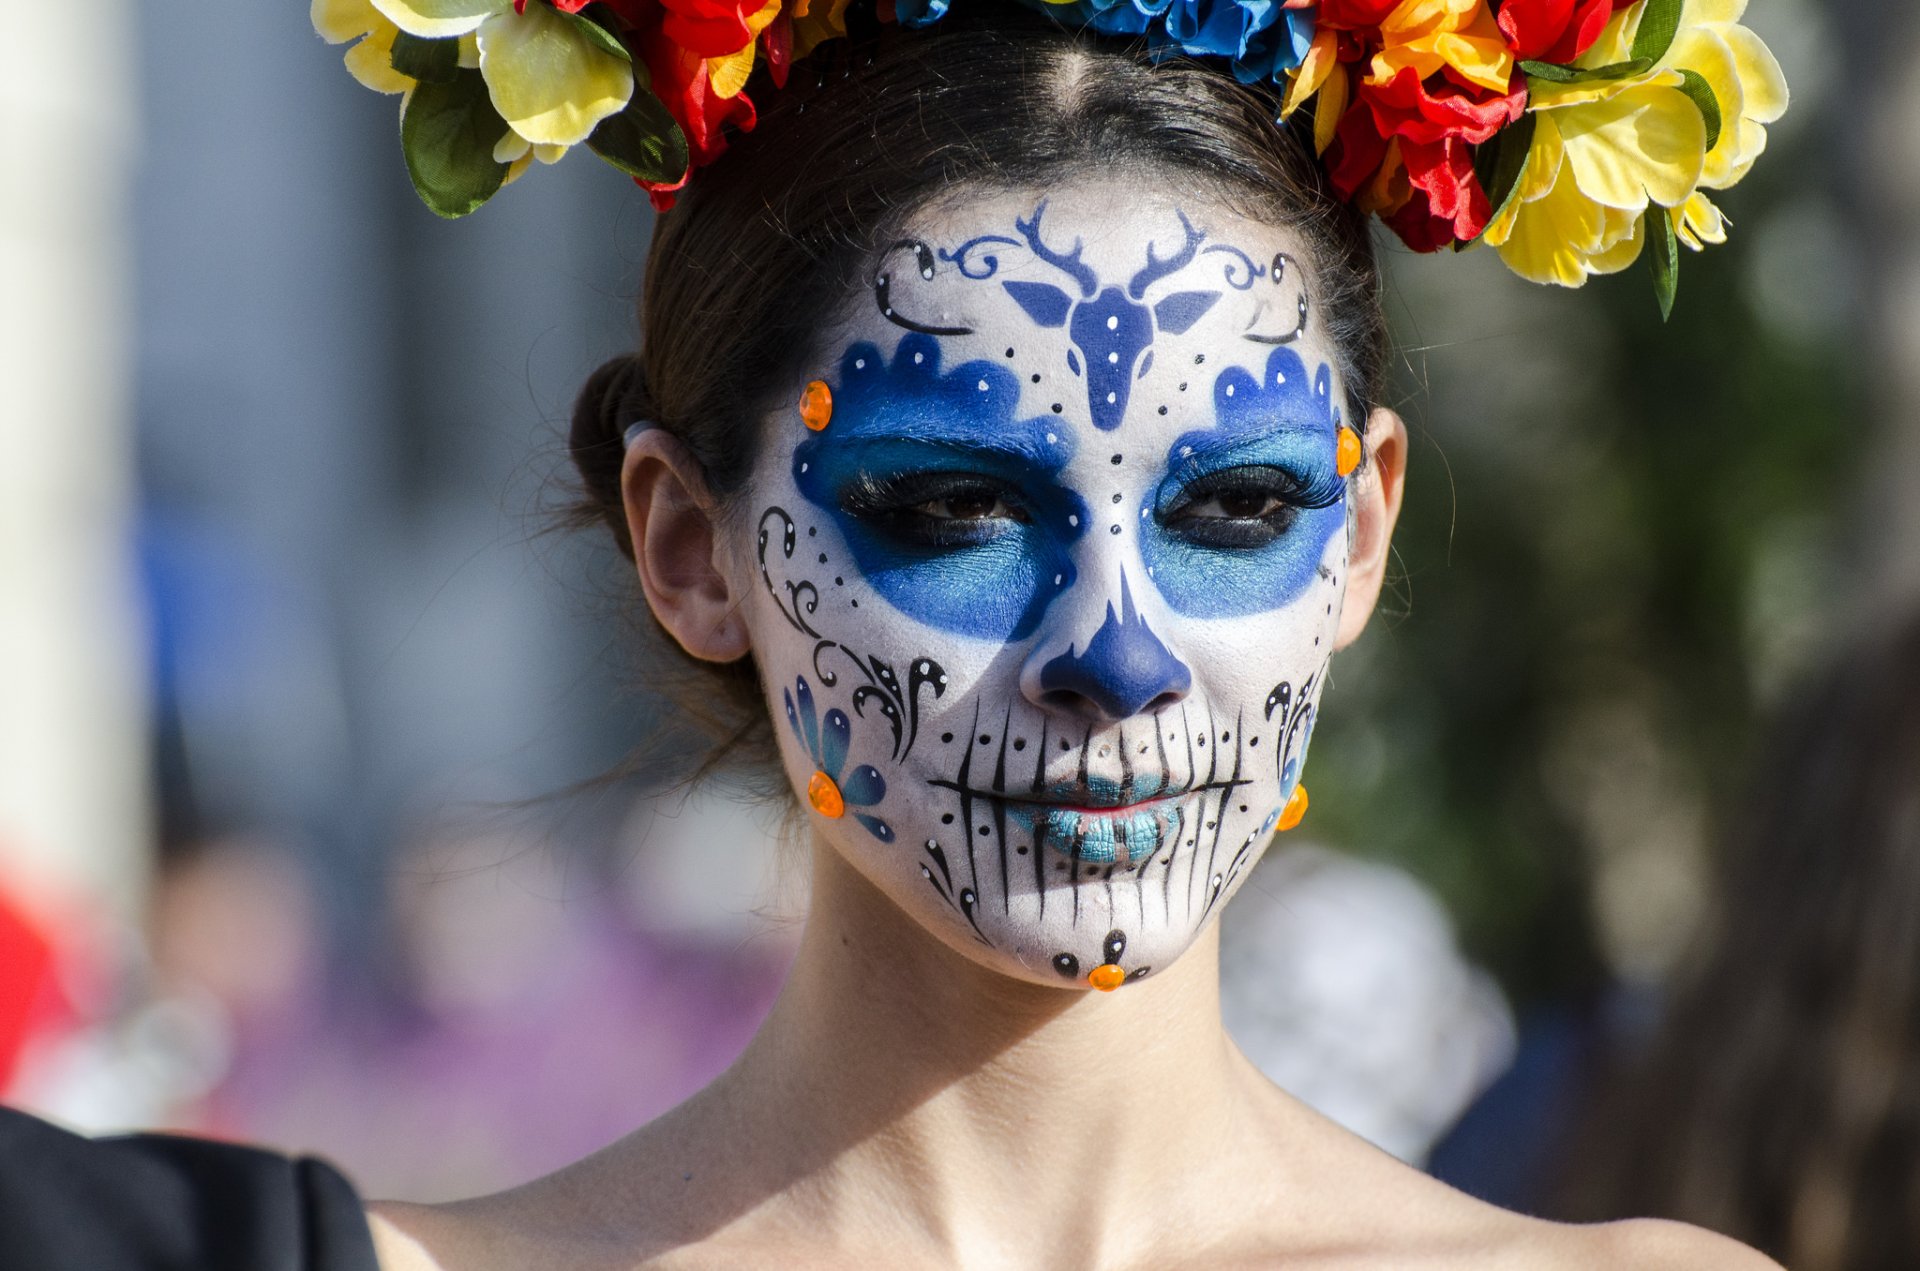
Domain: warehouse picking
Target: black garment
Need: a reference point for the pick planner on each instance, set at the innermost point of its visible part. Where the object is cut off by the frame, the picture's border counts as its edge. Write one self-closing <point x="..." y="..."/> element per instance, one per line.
<point x="161" y="1202"/>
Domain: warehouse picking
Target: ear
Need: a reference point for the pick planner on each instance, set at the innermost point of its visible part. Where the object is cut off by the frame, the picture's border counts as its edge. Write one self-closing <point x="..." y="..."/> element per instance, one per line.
<point x="678" y="549"/>
<point x="1375" y="496"/>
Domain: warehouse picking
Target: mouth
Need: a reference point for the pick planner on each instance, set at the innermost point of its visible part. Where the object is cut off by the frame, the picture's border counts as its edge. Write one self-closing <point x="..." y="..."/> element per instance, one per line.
<point x="1098" y="823"/>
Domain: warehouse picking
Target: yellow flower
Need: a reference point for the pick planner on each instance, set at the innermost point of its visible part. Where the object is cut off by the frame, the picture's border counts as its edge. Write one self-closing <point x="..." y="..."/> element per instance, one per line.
<point x="371" y="59"/>
<point x="1605" y="151"/>
<point x="550" y="81"/>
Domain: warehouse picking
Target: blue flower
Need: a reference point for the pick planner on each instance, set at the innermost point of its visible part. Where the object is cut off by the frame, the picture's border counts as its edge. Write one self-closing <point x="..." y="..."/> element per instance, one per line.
<point x="826" y="741"/>
<point x="1260" y="39"/>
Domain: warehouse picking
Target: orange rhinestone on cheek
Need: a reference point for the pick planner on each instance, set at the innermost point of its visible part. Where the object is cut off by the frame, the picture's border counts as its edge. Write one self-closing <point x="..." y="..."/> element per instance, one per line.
<point x="816" y="405"/>
<point x="1346" y="451"/>
<point x="825" y="796"/>
<point x="1296" y="808"/>
<point x="1106" y="977"/>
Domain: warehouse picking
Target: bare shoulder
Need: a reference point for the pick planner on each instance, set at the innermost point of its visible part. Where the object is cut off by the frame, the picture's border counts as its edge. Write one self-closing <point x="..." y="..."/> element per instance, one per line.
<point x="399" y="1241"/>
<point x="1659" y="1245"/>
<point x="472" y="1235"/>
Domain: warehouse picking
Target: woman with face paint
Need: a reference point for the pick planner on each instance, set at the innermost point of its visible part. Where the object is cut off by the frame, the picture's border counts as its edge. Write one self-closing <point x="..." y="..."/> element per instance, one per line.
<point x="1004" y="446"/>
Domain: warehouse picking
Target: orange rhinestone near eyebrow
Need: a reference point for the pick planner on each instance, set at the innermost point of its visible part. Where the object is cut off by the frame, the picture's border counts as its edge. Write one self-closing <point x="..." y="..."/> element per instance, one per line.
<point x="1107" y="977"/>
<point x="1346" y="451"/>
<point x="816" y="405"/>
<point x="1296" y="808"/>
<point x="825" y="796"/>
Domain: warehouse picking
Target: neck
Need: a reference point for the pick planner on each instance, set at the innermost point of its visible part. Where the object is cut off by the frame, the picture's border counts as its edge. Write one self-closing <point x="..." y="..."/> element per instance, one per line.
<point x="907" y="1096"/>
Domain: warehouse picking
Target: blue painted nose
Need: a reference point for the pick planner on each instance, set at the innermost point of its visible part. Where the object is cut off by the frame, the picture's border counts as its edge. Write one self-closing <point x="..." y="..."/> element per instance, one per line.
<point x="1125" y="669"/>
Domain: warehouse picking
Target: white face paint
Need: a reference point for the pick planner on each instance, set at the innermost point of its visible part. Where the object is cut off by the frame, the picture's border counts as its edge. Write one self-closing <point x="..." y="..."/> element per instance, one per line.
<point x="1050" y="586"/>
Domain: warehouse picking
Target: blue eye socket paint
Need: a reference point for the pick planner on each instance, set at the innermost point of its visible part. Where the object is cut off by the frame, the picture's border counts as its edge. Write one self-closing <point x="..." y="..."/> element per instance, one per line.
<point x="1284" y="420"/>
<point x="906" y="418"/>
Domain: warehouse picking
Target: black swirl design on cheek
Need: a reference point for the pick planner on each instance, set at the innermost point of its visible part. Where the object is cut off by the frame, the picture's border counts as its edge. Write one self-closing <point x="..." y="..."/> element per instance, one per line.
<point x="898" y="705"/>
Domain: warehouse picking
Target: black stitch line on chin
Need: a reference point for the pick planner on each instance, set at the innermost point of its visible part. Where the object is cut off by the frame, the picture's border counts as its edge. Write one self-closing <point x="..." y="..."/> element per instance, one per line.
<point x="1000" y="811"/>
<point x="1220" y="814"/>
<point x="1040" y="827"/>
<point x="966" y="800"/>
<point x="1080" y="837"/>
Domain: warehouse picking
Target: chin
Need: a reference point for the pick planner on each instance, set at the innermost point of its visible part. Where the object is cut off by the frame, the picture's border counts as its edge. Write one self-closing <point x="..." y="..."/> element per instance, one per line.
<point x="1081" y="856"/>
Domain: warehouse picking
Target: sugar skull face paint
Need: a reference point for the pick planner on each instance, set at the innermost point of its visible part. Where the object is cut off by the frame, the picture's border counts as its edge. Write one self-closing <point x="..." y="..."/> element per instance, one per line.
<point x="1050" y="551"/>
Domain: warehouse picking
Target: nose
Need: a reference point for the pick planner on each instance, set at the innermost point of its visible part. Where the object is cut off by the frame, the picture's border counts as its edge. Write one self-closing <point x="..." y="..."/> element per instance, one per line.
<point x="1124" y="671"/>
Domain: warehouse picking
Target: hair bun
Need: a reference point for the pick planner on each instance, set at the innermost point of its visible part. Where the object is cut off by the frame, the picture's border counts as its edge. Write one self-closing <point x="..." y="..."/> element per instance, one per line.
<point x="613" y="397"/>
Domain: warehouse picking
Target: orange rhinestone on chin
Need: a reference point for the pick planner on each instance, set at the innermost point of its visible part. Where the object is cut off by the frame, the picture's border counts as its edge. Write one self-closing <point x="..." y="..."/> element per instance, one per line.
<point x="1346" y="451"/>
<point x="825" y="796"/>
<point x="1107" y="977"/>
<point x="1296" y="808"/>
<point x="816" y="405"/>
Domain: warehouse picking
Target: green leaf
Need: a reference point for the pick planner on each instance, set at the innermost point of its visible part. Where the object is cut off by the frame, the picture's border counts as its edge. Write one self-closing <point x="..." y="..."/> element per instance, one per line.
<point x="429" y="61"/>
<point x="1554" y="73"/>
<point x="448" y="132"/>
<point x="1499" y="172"/>
<point x="1695" y="85"/>
<point x="601" y="38"/>
<point x="1659" y="23"/>
<point x="642" y="140"/>
<point x="1663" y="257"/>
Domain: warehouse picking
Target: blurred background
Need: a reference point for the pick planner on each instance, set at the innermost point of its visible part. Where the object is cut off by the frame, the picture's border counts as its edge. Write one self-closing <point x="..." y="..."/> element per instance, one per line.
<point x="301" y="694"/>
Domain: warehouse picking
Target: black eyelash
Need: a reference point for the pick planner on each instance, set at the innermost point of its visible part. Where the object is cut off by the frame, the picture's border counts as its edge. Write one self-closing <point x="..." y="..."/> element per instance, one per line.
<point x="1258" y="480"/>
<point x="888" y="503"/>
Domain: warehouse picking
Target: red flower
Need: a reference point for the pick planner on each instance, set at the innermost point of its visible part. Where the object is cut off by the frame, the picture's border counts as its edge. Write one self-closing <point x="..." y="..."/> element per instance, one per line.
<point x="1554" y="30"/>
<point x="1354" y="15"/>
<point x="711" y="28"/>
<point x="680" y="81"/>
<point x="1424" y="189"/>
<point x="1356" y="153"/>
<point x="1438" y="109"/>
<point x="1448" y="203"/>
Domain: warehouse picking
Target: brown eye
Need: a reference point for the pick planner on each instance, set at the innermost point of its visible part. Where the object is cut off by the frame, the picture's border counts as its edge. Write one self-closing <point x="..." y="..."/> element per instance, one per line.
<point x="1236" y="505"/>
<point x="1243" y="504"/>
<point x="969" y="506"/>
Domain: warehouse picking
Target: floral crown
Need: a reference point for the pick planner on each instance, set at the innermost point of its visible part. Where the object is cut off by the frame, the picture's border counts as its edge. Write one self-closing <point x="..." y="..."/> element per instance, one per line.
<point x="1572" y="136"/>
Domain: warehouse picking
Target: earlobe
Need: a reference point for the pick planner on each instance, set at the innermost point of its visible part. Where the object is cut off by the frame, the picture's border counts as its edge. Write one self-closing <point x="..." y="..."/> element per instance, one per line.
<point x="674" y="525"/>
<point x="1375" y="493"/>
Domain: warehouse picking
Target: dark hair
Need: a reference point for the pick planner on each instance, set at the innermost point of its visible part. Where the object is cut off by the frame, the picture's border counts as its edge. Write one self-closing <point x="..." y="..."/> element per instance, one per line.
<point x="770" y="241"/>
<point x="1780" y="1101"/>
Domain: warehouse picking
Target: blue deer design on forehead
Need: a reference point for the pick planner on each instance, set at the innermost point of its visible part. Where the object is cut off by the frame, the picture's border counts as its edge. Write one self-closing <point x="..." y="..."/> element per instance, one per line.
<point x="1111" y="327"/>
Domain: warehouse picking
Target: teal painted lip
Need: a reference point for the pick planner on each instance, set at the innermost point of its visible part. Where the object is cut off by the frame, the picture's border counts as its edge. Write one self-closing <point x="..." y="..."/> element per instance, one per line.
<point x="1098" y="834"/>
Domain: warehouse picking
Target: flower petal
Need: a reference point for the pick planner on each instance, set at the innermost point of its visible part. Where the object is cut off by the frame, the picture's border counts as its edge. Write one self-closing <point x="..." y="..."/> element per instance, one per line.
<point x="1761" y="80"/>
<point x="511" y="148"/>
<point x="1553" y="236"/>
<point x="864" y="786"/>
<point x="1703" y="52"/>
<point x="548" y="81"/>
<point x="835" y="733"/>
<point x="808" y="724"/>
<point x="1646" y="144"/>
<point x="338" y="21"/>
<point x="1321" y="61"/>
<point x="1698" y="222"/>
<point x="875" y="826"/>
<point x="728" y="75"/>
<point x="1545" y="158"/>
<point x="1629" y="234"/>
<point x="436" y="19"/>
<point x="371" y="60"/>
